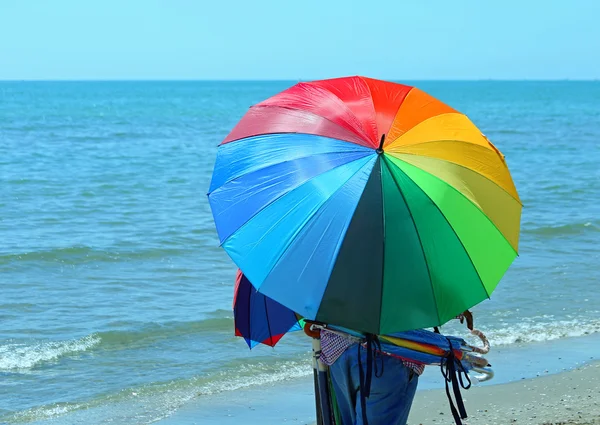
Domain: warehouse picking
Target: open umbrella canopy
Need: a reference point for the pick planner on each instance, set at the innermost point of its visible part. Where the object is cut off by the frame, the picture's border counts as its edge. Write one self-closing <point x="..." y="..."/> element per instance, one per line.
<point x="259" y="319"/>
<point x="365" y="204"/>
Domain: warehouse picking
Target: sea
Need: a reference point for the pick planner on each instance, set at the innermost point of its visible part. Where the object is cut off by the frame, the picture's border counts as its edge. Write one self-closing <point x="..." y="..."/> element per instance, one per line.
<point x="116" y="299"/>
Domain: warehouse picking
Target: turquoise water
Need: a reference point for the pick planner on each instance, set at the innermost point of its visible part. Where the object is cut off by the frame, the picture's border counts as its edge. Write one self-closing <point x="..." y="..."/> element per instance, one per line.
<point x="115" y="301"/>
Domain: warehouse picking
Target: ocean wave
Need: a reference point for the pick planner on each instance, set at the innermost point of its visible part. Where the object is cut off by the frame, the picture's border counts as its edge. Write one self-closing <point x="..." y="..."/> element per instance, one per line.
<point x="564" y="230"/>
<point x="26" y="356"/>
<point x="532" y="330"/>
<point x="507" y="131"/>
<point x="153" y="402"/>
<point x="152" y="332"/>
<point x="21" y="356"/>
<point x="42" y="413"/>
<point x="255" y="374"/>
<point x="85" y="254"/>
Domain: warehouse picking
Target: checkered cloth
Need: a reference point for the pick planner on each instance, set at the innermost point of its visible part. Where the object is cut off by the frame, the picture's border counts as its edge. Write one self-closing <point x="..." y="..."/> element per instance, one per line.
<point x="333" y="346"/>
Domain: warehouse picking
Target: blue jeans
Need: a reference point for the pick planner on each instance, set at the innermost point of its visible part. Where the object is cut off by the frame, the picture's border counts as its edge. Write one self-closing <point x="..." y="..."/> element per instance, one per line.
<point x="391" y="396"/>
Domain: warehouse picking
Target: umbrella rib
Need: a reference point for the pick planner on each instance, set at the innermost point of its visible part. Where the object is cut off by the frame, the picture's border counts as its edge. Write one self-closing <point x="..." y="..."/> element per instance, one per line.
<point x="365" y="135"/>
<point x="261" y="168"/>
<point x="249" y="307"/>
<point x="383" y="240"/>
<point x="392" y="152"/>
<point x="469" y="200"/>
<point x="436" y="116"/>
<point x="243" y="197"/>
<point x="455" y="234"/>
<point x="303" y="111"/>
<point x="268" y="321"/>
<point x="437" y="312"/>
<point x="373" y="102"/>
<point x="398" y="110"/>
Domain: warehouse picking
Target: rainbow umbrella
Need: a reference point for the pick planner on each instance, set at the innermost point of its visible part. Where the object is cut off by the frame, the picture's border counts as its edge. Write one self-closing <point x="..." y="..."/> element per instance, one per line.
<point x="365" y="204"/>
<point x="259" y="319"/>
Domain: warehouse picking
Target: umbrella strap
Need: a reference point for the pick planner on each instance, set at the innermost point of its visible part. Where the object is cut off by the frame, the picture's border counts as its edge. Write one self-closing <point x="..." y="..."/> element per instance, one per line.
<point x="453" y="372"/>
<point x="373" y="346"/>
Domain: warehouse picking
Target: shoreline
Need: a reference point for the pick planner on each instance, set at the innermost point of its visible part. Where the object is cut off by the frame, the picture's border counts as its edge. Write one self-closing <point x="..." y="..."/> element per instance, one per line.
<point x="530" y="381"/>
<point x="566" y="398"/>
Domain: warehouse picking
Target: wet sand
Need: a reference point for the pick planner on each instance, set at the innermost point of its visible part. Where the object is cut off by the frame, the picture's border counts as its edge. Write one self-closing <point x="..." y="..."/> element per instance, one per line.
<point x="566" y="398"/>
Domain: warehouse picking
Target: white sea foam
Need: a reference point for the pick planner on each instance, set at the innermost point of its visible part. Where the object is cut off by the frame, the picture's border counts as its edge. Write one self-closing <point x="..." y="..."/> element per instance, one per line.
<point x="43" y="413"/>
<point x="257" y="374"/>
<point x="541" y="329"/>
<point x="240" y="377"/>
<point x="17" y="356"/>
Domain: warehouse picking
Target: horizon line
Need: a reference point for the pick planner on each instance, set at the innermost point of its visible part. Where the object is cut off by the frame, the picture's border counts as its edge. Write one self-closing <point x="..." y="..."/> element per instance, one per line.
<point x="243" y="80"/>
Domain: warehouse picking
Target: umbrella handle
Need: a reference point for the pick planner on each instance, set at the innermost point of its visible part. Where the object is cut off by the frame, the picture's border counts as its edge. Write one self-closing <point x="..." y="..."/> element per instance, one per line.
<point x="486" y="344"/>
<point x="312" y="331"/>
<point x="474" y="360"/>
<point x="486" y="373"/>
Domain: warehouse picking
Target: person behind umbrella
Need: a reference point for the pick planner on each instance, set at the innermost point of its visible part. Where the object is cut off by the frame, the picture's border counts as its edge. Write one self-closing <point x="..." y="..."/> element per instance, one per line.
<point x="392" y="386"/>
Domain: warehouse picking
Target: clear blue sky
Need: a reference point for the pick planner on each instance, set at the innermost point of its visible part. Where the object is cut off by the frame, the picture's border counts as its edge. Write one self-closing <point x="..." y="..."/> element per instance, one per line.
<point x="283" y="39"/>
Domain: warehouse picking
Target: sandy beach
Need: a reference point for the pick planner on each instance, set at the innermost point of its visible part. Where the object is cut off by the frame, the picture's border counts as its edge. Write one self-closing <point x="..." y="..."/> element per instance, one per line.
<point x="566" y="398"/>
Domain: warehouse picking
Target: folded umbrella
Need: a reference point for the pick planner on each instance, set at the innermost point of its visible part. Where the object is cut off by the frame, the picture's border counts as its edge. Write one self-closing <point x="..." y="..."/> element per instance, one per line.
<point x="259" y="319"/>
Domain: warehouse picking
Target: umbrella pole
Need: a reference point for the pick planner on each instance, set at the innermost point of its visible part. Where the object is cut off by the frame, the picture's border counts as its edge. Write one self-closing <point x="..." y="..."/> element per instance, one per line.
<point x="316" y="384"/>
<point x="322" y="386"/>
